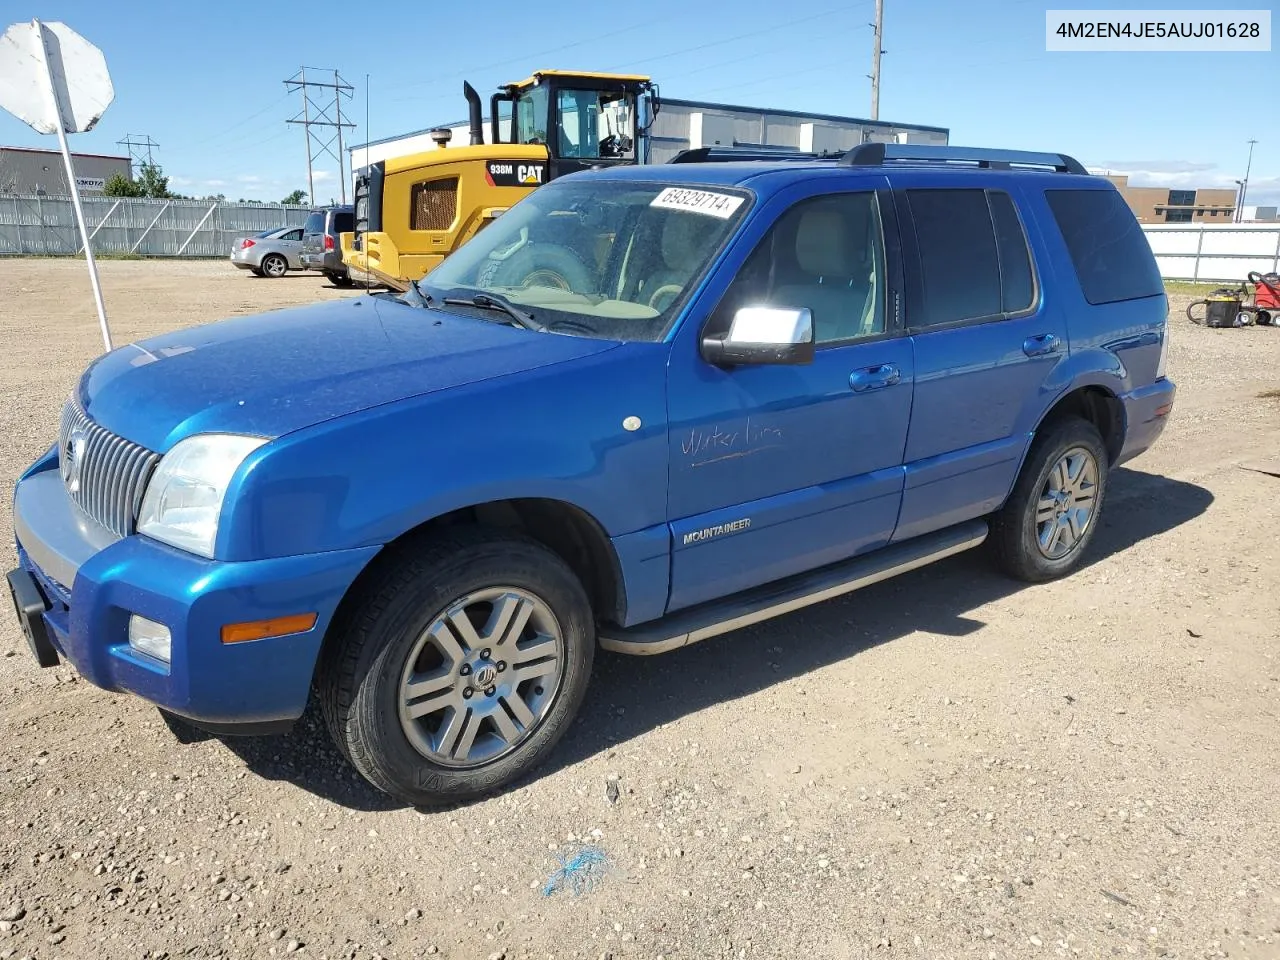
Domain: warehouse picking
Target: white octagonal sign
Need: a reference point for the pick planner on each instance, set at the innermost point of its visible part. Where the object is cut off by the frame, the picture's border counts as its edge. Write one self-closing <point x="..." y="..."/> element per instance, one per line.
<point x="82" y="88"/>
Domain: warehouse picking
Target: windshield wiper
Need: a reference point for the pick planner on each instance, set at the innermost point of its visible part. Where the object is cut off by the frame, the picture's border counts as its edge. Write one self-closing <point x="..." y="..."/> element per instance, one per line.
<point x="414" y="296"/>
<point x="486" y="302"/>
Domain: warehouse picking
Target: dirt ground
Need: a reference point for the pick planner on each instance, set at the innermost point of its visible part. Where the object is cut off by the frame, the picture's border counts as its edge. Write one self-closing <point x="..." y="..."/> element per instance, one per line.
<point x="948" y="765"/>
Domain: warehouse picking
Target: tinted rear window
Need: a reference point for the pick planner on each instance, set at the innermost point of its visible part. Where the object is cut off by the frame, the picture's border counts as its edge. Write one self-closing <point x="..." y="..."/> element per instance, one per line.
<point x="1112" y="257"/>
<point x="1016" y="287"/>
<point x="314" y="223"/>
<point x="343" y="223"/>
<point x="957" y="255"/>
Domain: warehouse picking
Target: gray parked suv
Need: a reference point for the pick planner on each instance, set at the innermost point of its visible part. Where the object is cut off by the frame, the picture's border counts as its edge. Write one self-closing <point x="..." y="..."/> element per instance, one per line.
<point x="320" y="247"/>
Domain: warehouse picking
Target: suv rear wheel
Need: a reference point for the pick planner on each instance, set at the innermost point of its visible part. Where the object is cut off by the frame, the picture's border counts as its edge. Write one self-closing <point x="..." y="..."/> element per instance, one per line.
<point x="459" y="668"/>
<point x="1048" y="521"/>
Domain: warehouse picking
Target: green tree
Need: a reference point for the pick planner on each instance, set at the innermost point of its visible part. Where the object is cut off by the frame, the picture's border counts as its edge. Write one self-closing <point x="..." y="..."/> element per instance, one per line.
<point x="118" y="185"/>
<point x="296" y="199"/>
<point x="153" y="181"/>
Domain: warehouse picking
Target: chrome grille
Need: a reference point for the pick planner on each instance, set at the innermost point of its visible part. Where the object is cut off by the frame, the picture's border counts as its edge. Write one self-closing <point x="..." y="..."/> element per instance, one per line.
<point x="104" y="474"/>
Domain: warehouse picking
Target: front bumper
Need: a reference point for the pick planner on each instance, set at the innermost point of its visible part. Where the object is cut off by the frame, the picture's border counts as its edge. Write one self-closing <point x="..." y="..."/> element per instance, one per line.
<point x="1146" y="411"/>
<point x="91" y="584"/>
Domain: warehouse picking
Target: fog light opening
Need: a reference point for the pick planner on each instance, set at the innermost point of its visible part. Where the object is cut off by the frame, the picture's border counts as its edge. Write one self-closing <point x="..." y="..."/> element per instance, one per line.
<point x="150" y="638"/>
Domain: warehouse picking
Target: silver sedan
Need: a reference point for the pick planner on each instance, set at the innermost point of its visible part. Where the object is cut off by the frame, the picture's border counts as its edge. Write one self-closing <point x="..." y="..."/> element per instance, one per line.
<point x="271" y="253"/>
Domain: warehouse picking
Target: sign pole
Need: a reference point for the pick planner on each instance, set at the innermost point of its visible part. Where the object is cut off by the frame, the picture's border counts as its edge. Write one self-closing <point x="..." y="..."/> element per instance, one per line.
<point x="48" y="57"/>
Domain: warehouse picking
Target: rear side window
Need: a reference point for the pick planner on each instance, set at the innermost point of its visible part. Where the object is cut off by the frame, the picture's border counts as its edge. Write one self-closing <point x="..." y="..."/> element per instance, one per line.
<point x="1112" y="257"/>
<point x="1017" y="289"/>
<point x="314" y="223"/>
<point x="958" y="258"/>
<point x="343" y="222"/>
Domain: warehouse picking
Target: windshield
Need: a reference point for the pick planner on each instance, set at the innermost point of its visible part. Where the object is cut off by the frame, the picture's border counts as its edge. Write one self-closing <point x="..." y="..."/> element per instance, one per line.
<point x="603" y="258"/>
<point x="596" y="125"/>
<point x="531" y="115"/>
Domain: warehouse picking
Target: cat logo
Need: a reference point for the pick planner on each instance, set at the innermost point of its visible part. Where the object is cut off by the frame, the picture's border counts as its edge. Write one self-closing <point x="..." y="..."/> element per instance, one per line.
<point x="512" y="173"/>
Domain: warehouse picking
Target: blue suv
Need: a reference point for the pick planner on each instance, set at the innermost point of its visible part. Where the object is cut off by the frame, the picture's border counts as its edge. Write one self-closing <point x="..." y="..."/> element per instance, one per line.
<point x="646" y="406"/>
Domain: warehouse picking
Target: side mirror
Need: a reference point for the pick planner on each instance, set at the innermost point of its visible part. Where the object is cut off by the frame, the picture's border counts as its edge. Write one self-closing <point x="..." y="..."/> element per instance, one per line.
<point x="763" y="335"/>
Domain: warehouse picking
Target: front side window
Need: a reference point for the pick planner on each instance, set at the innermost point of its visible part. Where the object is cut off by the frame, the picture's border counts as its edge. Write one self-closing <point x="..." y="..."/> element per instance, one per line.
<point x="604" y="258"/>
<point x="596" y="125"/>
<point x="531" y="115"/>
<point x="825" y="253"/>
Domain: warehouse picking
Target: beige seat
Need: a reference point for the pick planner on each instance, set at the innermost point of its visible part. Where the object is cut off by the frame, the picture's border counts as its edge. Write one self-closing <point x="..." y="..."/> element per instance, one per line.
<point x="680" y="248"/>
<point x="835" y="272"/>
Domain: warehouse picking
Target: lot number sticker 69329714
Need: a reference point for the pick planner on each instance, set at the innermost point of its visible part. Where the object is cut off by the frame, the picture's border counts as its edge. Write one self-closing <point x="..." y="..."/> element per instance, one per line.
<point x="712" y="204"/>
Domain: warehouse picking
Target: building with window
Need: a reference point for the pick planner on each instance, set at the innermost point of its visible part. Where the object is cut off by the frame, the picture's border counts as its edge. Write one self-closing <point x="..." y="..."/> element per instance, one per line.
<point x="1165" y="205"/>
<point x="37" y="172"/>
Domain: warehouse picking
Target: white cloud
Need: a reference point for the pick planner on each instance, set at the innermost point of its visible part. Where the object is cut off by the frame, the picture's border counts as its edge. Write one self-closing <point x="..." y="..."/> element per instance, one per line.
<point x="322" y="176"/>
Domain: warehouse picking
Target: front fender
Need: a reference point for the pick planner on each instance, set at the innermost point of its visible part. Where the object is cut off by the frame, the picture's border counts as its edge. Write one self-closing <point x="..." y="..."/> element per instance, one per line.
<point x="555" y="433"/>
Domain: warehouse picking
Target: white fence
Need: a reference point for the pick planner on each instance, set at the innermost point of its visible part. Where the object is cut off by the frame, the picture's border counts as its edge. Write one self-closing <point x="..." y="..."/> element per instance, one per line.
<point x="1214" y="252"/>
<point x="152" y="228"/>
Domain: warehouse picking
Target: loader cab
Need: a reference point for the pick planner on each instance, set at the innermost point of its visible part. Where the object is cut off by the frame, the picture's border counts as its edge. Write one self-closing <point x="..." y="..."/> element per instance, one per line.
<point x="584" y="119"/>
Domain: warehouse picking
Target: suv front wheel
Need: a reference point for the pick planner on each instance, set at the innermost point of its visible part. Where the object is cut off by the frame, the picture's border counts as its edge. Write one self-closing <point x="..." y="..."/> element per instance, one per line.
<point x="459" y="667"/>
<point x="1046" y="525"/>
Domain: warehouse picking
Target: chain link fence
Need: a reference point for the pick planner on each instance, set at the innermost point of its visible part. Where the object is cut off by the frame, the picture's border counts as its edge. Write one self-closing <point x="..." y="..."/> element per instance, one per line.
<point x="39" y="225"/>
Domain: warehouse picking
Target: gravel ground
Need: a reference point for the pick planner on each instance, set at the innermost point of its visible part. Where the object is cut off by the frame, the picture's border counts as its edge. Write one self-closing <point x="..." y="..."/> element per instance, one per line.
<point x="944" y="765"/>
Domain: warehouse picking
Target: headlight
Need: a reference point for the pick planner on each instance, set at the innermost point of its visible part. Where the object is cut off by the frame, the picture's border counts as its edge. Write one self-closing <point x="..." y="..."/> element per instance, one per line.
<point x="184" y="497"/>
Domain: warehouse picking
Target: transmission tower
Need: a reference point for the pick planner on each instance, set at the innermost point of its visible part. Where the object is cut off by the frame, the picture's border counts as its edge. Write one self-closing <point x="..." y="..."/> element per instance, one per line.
<point x="139" y="149"/>
<point x="321" y="120"/>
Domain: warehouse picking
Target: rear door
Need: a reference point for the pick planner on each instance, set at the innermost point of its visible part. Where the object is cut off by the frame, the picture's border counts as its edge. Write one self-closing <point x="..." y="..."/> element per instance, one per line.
<point x="986" y="343"/>
<point x="291" y="246"/>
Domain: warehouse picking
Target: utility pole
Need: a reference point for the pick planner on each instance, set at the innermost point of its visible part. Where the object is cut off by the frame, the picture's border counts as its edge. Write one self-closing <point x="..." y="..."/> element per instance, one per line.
<point x="322" y="123"/>
<point x="878" y="28"/>
<point x="139" y="149"/>
<point x="337" y="102"/>
<point x="1244" y="184"/>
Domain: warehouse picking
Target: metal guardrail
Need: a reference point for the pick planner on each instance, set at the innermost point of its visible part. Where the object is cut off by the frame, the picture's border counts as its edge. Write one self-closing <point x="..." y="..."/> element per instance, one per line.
<point x="1214" y="252"/>
<point x="39" y="225"/>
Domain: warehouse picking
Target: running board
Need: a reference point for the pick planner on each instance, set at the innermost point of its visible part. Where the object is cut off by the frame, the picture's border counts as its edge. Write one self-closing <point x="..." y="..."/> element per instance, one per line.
<point x="774" y="599"/>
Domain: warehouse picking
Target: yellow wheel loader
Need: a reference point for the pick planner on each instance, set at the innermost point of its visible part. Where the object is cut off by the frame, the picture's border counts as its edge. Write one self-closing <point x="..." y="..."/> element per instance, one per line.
<point x="411" y="212"/>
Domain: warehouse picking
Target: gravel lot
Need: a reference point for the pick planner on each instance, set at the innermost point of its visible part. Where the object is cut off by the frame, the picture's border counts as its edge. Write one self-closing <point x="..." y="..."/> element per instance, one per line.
<point x="945" y="765"/>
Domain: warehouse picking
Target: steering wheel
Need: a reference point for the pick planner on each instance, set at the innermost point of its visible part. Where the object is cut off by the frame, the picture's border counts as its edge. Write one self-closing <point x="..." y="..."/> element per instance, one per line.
<point x="670" y="291"/>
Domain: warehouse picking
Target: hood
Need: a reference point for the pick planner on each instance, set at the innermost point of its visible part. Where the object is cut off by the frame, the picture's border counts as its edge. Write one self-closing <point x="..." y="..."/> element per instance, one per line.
<point x="273" y="373"/>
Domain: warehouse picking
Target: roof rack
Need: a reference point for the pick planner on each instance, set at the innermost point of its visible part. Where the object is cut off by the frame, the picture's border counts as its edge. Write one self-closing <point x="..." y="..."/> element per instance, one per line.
<point x="875" y="154"/>
<point x="720" y="154"/>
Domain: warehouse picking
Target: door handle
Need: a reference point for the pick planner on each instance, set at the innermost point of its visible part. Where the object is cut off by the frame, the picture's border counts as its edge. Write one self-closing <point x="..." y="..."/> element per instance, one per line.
<point x="875" y="378"/>
<point x="1039" y="346"/>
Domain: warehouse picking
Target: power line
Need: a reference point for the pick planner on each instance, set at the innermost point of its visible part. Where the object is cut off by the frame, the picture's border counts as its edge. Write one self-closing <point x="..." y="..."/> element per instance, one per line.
<point x="327" y="110"/>
<point x="241" y="122"/>
<point x="741" y="36"/>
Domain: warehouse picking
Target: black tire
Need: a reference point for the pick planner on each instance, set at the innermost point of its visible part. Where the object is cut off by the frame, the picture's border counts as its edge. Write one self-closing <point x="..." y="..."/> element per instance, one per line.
<point x="255" y="271"/>
<point x="1014" y="528"/>
<point x="541" y="264"/>
<point x="273" y="265"/>
<point x="359" y="675"/>
<point x="339" y="279"/>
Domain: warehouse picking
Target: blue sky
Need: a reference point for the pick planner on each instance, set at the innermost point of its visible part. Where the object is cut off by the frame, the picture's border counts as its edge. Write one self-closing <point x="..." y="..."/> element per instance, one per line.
<point x="208" y="86"/>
